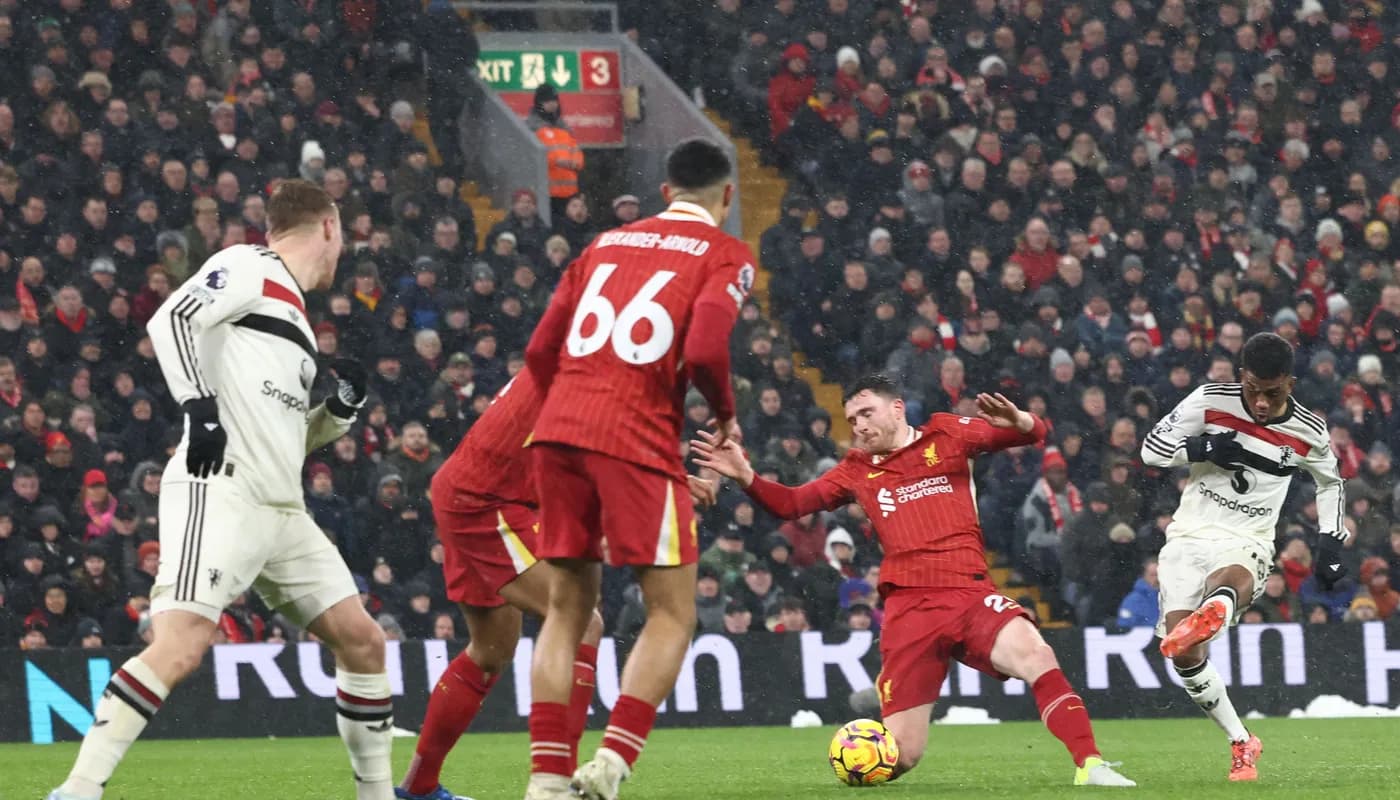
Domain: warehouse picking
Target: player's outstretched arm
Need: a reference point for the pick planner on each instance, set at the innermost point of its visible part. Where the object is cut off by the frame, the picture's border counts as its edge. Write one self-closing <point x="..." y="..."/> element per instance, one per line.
<point x="785" y="502"/>
<point x="1000" y="424"/>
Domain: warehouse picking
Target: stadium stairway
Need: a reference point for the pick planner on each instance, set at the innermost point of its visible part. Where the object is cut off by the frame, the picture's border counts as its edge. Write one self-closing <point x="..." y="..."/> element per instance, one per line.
<point x="761" y="190"/>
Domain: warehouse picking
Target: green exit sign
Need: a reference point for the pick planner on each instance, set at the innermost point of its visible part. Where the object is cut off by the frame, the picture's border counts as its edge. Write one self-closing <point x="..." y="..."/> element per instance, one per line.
<point x="527" y="70"/>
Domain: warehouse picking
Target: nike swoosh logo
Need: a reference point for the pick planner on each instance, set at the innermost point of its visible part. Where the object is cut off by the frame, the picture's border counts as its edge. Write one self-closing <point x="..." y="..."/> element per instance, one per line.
<point x="869" y="475"/>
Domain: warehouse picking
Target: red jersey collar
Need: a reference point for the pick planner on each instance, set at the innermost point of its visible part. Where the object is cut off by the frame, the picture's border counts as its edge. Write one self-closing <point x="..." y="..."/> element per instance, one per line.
<point x="689" y="212"/>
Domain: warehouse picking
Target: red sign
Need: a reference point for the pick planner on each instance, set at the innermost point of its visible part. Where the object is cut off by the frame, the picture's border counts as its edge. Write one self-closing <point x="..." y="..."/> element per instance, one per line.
<point x="594" y="119"/>
<point x="600" y="70"/>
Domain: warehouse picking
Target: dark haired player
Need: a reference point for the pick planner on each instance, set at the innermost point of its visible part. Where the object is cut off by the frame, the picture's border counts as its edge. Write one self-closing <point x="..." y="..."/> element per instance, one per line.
<point x="1243" y="442"/>
<point x="915" y="484"/>
<point x="644" y="310"/>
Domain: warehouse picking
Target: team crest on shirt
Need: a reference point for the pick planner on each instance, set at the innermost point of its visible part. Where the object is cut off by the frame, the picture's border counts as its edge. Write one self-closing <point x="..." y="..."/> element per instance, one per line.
<point x="931" y="454"/>
<point x="1168" y="422"/>
<point x="1285" y="456"/>
<point x="217" y="279"/>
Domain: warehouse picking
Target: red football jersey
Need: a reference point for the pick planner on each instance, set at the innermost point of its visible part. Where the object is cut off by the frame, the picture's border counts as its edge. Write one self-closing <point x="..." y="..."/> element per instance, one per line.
<point x="491" y="465"/>
<point x="626" y="330"/>
<point x="920" y="499"/>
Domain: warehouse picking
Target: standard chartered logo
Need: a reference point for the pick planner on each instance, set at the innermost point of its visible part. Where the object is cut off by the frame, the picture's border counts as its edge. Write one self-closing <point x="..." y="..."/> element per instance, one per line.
<point x="886" y="500"/>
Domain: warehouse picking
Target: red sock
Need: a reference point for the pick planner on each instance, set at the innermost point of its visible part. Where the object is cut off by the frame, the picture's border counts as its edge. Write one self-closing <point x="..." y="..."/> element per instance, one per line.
<point x="1062" y="711"/>
<point x="451" y="709"/>
<point x="628" y="727"/>
<point x="581" y="697"/>
<point x="549" y="739"/>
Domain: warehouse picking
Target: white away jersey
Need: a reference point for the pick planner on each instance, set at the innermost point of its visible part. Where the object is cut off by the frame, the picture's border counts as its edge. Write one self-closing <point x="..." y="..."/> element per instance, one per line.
<point x="1246" y="499"/>
<point x="237" y="330"/>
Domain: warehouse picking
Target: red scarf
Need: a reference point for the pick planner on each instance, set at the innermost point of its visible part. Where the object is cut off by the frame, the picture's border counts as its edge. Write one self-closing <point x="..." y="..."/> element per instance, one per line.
<point x="28" y="309"/>
<point x="1057" y="516"/>
<point x="76" y="324"/>
<point x="1147" y="323"/>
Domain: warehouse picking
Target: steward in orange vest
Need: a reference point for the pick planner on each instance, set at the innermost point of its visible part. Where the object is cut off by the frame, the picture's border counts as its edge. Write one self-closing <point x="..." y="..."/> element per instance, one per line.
<point x="562" y="153"/>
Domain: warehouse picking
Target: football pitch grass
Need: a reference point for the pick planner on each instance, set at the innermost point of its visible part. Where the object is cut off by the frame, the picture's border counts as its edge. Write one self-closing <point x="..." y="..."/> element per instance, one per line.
<point x="1186" y="758"/>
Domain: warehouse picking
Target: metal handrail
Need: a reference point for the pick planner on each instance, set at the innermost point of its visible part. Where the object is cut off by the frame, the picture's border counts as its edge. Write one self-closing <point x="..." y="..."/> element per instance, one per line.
<point x="585" y="6"/>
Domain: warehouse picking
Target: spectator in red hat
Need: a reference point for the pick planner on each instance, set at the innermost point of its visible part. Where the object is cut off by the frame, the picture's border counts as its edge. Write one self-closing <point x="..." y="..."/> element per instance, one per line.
<point x="96" y="505"/>
<point x="1052" y="503"/>
<point x="57" y="474"/>
<point x="141" y="571"/>
<point x="789" y="89"/>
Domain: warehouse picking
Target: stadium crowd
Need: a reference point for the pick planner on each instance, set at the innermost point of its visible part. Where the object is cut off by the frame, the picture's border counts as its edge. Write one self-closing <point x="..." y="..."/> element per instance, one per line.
<point x="1085" y="205"/>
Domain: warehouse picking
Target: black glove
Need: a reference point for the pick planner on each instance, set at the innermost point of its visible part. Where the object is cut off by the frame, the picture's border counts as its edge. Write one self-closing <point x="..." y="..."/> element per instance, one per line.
<point x="350" y="382"/>
<point x="1327" y="559"/>
<point x="1220" y="449"/>
<point x="205" y="455"/>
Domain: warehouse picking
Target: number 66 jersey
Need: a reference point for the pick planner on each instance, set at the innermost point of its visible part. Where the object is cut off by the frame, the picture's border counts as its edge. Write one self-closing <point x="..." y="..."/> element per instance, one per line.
<point x="645" y="309"/>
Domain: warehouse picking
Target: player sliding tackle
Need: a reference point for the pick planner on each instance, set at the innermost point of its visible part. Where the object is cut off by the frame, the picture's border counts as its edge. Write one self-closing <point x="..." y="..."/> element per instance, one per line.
<point x="915" y="484"/>
<point x="485" y="505"/>
<point x="238" y="354"/>
<point x="1243" y="442"/>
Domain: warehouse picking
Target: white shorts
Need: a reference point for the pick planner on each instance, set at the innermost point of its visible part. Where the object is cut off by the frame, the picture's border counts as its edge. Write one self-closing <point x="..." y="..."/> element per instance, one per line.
<point x="1186" y="561"/>
<point x="215" y="544"/>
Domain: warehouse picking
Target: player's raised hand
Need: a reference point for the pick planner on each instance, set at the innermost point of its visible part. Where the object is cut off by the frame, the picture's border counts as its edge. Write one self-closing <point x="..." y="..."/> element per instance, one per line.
<point x="725" y="457"/>
<point x="351" y="387"/>
<point x="1000" y="412"/>
<point x="702" y="491"/>
<point x="204" y="456"/>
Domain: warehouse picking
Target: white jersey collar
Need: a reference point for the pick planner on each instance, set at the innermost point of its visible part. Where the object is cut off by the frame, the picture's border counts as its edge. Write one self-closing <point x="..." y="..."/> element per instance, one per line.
<point x="690" y="212"/>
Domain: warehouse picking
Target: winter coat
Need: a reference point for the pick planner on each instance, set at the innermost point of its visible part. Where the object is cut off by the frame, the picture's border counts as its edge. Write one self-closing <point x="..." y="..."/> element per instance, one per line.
<point x="1140" y="608"/>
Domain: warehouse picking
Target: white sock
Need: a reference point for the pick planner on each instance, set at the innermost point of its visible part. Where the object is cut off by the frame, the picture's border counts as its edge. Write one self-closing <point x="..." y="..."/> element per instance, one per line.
<point x="1225" y="595"/>
<point x="365" y="719"/>
<point x="133" y="696"/>
<point x="1207" y="690"/>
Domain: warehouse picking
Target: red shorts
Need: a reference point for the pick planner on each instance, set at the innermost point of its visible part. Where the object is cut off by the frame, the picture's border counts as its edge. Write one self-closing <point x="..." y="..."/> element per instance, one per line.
<point x="599" y="508"/>
<point x="483" y="550"/>
<point x="926" y="628"/>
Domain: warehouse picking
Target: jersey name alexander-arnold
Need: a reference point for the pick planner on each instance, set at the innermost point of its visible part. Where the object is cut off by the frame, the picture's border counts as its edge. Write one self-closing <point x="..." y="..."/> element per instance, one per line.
<point x="653" y="241"/>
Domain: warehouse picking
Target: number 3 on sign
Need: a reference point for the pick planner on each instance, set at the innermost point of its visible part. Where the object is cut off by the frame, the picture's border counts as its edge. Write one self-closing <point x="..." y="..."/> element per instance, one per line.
<point x="601" y="71"/>
<point x="618" y="327"/>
